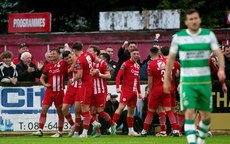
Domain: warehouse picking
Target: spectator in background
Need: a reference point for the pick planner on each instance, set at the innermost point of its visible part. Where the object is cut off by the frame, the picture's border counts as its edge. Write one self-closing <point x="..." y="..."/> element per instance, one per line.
<point x="227" y="61"/>
<point x="109" y="51"/>
<point x="8" y="73"/>
<point x="156" y="40"/>
<point x="27" y="71"/>
<point x="124" y="54"/>
<point x="24" y="47"/>
<point x="143" y="75"/>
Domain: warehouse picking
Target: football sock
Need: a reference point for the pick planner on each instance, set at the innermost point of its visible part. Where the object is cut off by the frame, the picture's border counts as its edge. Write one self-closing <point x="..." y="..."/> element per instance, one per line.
<point x="77" y="124"/>
<point x="172" y="119"/>
<point x="190" y="131"/>
<point x="87" y="117"/>
<point x="116" y="117"/>
<point x="106" y="117"/>
<point x="130" y="121"/>
<point x="60" y="122"/>
<point x="204" y="127"/>
<point x="162" y="120"/>
<point x="148" y="120"/>
<point x="69" y="119"/>
<point x="42" y="121"/>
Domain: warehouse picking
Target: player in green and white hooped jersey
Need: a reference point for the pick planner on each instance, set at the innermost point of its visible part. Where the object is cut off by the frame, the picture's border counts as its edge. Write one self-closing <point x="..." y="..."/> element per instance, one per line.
<point x="194" y="45"/>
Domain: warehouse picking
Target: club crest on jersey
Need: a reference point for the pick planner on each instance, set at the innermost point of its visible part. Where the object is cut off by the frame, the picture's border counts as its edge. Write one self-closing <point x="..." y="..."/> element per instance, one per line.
<point x="108" y="67"/>
<point x="122" y="67"/>
<point x="78" y="65"/>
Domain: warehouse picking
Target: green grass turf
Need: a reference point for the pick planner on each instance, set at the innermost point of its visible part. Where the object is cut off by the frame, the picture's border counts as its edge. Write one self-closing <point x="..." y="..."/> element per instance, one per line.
<point x="118" y="139"/>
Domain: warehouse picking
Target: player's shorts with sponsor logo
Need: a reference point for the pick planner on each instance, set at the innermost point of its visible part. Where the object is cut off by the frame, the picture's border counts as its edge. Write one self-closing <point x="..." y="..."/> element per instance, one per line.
<point x="70" y="95"/>
<point x="159" y="98"/>
<point x="196" y="96"/>
<point x="99" y="100"/>
<point x="129" y="98"/>
<point x="53" y="96"/>
<point x="86" y="93"/>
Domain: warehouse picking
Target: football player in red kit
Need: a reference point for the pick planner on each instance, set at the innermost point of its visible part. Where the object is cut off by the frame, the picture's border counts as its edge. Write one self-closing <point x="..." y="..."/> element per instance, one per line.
<point x="157" y="97"/>
<point x="130" y="89"/>
<point x="54" y="72"/>
<point x="100" y="74"/>
<point x="84" y="67"/>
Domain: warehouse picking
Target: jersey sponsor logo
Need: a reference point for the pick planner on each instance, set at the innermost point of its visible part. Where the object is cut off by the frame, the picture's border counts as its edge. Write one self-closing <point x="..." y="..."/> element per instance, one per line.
<point x="54" y="71"/>
<point x="197" y="54"/>
<point x="135" y="72"/>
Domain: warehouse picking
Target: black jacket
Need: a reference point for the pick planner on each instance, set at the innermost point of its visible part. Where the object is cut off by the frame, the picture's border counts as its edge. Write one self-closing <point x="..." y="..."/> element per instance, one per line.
<point x="24" y="75"/>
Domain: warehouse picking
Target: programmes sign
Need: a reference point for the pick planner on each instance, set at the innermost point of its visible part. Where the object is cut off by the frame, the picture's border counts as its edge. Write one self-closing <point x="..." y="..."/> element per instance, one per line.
<point x="29" y="22"/>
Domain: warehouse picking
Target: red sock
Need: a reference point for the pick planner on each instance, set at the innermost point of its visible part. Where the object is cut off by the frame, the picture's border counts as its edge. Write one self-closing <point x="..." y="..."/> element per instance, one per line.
<point x="42" y="121"/>
<point x="69" y="119"/>
<point x="87" y="117"/>
<point x="116" y="117"/>
<point x="148" y="120"/>
<point x="77" y="124"/>
<point x="180" y="122"/>
<point x="94" y="117"/>
<point x="60" y="122"/>
<point x="176" y="117"/>
<point x="162" y="120"/>
<point x="106" y="117"/>
<point x="130" y="121"/>
<point x="172" y="119"/>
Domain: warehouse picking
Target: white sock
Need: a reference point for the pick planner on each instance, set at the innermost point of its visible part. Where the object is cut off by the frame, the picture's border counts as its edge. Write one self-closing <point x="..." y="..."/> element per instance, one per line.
<point x="85" y="131"/>
<point x="131" y="129"/>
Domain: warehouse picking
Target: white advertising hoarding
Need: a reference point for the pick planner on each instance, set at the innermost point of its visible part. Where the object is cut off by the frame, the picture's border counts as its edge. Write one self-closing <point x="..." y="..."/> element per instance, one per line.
<point x="20" y="108"/>
<point x="136" y="20"/>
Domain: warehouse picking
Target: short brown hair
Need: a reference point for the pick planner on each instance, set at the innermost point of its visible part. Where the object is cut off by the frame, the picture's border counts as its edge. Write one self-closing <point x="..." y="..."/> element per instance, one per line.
<point x="191" y="11"/>
<point x="132" y="50"/>
<point x="6" y="54"/>
<point x="95" y="49"/>
<point x="77" y="46"/>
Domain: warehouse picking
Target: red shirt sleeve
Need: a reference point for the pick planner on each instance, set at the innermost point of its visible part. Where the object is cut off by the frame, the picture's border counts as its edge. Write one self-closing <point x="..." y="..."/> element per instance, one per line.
<point x="79" y="64"/>
<point x="150" y="70"/>
<point x="105" y="67"/>
<point x="46" y="70"/>
<point x="139" y="87"/>
<point x="119" y="75"/>
<point x="212" y="65"/>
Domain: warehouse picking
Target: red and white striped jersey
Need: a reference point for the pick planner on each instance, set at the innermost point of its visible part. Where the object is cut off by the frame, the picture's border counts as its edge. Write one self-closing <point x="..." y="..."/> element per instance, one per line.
<point x="55" y="73"/>
<point x="100" y="85"/>
<point x="76" y="84"/>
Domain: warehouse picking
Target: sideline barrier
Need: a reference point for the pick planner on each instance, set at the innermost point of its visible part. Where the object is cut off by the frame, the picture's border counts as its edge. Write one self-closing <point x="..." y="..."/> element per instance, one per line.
<point x="20" y="107"/>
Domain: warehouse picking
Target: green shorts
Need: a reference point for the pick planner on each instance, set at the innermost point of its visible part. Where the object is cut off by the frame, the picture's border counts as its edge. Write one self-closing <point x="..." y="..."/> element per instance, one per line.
<point x="196" y="97"/>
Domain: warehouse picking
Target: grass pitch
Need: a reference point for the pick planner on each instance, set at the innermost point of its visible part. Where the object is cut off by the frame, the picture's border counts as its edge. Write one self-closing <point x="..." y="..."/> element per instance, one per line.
<point x="106" y="139"/>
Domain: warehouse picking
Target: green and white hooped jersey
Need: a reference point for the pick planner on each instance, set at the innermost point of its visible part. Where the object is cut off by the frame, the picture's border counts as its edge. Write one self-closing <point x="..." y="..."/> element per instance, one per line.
<point x="194" y="51"/>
